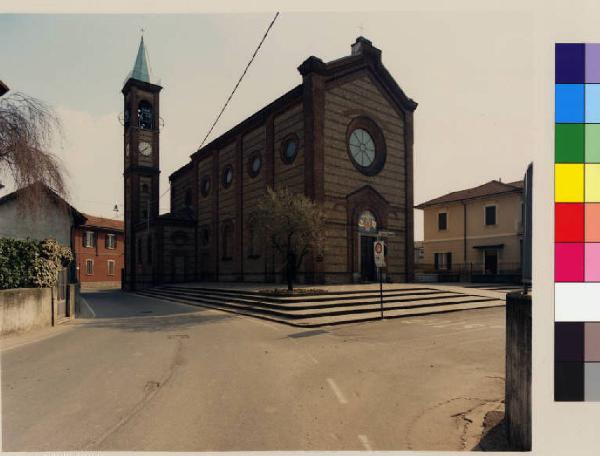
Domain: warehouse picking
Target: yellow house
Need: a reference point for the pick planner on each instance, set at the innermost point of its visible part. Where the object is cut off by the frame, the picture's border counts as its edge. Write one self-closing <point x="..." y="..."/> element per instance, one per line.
<point x="474" y="234"/>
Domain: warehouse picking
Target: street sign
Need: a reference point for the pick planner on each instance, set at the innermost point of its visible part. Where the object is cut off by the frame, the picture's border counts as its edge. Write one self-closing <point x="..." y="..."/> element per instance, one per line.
<point x="379" y="247"/>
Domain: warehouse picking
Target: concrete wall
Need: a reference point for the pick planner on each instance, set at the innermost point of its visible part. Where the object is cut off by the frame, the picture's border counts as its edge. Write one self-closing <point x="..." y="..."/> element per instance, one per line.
<point x="24" y="309"/>
<point x="518" y="371"/>
<point x="51" y="221"/>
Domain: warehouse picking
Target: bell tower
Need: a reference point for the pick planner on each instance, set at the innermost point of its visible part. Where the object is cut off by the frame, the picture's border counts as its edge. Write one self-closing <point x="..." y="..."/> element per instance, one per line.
<point x="141" y="168"/>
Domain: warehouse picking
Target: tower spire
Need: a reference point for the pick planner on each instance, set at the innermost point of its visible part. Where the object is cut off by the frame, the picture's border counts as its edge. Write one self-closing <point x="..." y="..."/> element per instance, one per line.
<point x="140" y="68"/>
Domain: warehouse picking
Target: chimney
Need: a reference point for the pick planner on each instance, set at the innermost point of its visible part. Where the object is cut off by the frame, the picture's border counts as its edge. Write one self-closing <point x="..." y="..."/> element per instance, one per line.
<point x="363" y="46"/>
<point x="359" y="45"/>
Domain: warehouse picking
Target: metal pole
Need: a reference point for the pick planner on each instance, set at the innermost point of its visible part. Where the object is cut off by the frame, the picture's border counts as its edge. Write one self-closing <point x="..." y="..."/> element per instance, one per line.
<point x="381" y="290"/>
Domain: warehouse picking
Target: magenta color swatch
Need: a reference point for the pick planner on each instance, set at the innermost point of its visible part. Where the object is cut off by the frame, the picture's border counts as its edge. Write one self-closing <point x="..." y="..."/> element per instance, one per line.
<point x="592" y="63"/>
<point x="592" y="262"/>
<point x="569" y="262"/>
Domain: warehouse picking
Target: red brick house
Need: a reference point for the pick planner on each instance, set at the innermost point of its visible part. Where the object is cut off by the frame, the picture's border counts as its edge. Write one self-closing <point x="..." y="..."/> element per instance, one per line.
<point x="98" y="245"/>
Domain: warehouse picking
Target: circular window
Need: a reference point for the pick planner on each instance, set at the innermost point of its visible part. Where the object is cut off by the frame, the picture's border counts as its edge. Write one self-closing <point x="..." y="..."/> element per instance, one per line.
<point x="362" y="147"/>
<point x="366" y="146"/>
<point x="227" y="176"/>
<point x="205" y="186"/>
<point x="289" y="149"/>
<point x="254" y="164"/>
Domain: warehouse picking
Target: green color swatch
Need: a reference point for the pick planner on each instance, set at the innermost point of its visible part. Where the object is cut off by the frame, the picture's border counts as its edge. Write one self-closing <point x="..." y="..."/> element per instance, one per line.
<point x="569" y="143"/>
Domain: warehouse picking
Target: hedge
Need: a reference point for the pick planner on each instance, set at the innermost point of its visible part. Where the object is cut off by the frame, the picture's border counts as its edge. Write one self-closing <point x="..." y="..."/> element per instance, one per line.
<point x="31" y="264"/>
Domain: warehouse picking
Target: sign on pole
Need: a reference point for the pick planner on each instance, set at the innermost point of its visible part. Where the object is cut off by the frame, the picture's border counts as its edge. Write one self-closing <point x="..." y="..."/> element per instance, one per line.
<point x="379" y="247"/>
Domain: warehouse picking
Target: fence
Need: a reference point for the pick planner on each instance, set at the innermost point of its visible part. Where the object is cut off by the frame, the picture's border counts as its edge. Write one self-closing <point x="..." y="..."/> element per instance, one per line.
<point x="472" y="272"/>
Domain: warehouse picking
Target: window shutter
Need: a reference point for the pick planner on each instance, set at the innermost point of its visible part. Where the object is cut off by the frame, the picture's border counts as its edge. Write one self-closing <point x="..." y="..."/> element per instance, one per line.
<point x="106" y="243"/>
<point x="83" y="238"/>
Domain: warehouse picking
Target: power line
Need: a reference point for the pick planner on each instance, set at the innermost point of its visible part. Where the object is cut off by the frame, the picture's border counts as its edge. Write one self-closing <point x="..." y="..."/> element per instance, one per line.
<point x="240" y="80"/>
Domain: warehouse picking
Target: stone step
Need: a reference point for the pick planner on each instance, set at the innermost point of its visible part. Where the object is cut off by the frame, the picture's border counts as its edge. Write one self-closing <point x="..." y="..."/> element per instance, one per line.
<point x="312" y="297"/>
<point x="417" y="301"/>
<point x="365" y="313"/>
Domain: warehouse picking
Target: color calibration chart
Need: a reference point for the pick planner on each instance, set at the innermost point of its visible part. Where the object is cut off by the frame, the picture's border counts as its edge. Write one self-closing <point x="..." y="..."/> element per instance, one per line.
<point x="577" y="223"/>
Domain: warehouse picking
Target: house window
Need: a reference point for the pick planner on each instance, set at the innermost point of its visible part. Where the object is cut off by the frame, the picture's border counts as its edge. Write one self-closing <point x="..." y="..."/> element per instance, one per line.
<point x="89" y="239"/>
<point x="111" y="241"/>
<point x="490" y="215"/>
<point x="443" y="261"/>
<point x="110" y="267"/>
<point x="89" y="267"/>
<point x="442" y="221"/>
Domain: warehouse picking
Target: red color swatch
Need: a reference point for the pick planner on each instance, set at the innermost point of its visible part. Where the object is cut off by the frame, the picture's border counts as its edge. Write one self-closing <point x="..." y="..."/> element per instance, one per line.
<point x="569" y="222"/>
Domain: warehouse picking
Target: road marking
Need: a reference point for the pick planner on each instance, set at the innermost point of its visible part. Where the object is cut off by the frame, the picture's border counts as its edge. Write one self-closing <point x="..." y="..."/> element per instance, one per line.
<point x="338" y="393"/>
<point x="88" y="306"/>
<point x="365" y="442"/>
<point x="315" y="360"/>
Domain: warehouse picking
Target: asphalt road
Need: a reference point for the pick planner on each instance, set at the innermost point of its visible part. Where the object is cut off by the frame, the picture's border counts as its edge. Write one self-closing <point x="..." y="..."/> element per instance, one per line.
<point x="150" y="375"/>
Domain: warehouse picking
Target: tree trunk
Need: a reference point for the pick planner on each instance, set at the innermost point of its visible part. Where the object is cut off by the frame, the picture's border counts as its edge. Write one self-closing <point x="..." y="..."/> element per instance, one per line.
<point x="291" y="270"/>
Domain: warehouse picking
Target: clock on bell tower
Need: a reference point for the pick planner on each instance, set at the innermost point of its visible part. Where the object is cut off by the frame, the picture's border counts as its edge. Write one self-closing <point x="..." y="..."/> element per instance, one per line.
<point x="141" y="157"/>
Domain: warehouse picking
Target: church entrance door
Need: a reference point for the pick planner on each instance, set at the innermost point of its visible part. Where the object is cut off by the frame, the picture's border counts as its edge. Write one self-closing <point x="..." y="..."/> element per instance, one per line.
<point x="367" y="261"/>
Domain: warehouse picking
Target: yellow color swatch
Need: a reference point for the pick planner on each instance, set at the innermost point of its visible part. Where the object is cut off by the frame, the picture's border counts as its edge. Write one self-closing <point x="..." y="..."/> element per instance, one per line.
<point x="568" y="183"/>
<point x="592" y="183"/>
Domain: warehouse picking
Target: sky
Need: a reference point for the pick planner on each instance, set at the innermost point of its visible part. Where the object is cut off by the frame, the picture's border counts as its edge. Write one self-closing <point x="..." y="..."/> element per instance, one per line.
<point x="471" y="75"/>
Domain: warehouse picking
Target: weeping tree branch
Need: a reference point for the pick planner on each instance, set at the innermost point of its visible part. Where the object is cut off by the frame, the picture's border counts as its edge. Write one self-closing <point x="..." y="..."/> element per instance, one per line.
<point x="28" y="128"/>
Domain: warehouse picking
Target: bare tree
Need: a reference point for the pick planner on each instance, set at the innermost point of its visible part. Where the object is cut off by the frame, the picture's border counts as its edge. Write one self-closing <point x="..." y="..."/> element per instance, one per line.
<point x="292" y="224"/>
<point x="28" y="128"/>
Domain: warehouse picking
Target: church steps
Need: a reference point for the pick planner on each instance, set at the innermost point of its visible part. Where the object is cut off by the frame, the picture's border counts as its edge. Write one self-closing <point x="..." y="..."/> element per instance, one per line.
<point x="316" y="297"/>
<point x="309" y="305"/>
<point x="308" y="312"/>
<point x="327" y="318"/>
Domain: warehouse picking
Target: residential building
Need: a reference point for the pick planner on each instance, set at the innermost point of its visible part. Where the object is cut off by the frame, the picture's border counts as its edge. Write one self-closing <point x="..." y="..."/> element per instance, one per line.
<point x="52" y="218"/>
<point x="475" y="233"/>
<point x="343" y="137"/>
<point x="99" y="246"/>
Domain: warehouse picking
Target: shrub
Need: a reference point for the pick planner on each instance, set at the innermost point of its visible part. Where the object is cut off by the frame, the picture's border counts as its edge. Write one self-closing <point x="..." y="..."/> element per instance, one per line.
<point x="29" y="263"/>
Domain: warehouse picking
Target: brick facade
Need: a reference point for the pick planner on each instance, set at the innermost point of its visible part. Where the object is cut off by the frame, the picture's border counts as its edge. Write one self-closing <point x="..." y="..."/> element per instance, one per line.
<point x="100" y="252"/>
<point x="206" y="234"/>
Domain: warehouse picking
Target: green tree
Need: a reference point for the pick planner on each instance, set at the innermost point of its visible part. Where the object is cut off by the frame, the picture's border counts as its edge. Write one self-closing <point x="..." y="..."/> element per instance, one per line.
<point x="292" y="224"/>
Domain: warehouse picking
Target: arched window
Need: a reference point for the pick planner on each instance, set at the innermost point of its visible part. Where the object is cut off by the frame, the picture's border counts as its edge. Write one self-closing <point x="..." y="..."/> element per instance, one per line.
<point x="145" y="116"/>
<point x="227" y="241"/>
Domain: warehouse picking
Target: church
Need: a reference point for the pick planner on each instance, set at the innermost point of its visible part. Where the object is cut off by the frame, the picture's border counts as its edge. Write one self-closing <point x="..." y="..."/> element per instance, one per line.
<point x="343" y="137"/>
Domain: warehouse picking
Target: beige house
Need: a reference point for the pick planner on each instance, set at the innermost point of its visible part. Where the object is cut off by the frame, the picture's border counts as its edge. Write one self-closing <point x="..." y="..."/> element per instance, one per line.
<point x="474" y="234"/>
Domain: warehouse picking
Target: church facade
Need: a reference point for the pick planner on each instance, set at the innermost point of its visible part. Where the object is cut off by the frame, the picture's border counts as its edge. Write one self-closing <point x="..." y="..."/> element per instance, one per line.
<point x="343" y="137"/>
